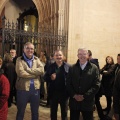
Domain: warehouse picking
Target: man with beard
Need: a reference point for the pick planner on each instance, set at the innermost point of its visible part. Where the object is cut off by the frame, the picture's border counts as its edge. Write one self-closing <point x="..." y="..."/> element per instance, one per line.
<point x="82" y="85"/>
<point x="56" y="76"/>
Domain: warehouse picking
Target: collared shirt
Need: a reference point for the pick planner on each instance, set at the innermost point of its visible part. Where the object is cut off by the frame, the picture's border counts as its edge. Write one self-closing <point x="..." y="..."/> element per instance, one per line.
<point x="84" y="65"/>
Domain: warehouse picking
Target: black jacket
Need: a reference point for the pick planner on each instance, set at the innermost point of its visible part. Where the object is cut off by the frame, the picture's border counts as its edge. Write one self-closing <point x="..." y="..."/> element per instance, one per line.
<point x="84" y="82"/>
<point x="59" y="84"/>
<point x="108" y="79"/>
<point x="116" y="94"/>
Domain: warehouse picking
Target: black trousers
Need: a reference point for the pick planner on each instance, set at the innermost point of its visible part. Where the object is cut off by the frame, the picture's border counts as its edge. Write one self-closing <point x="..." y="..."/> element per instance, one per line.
<point x="75" y="115"/>
<point x="109" y="102"/>
<point x="99" y="107"/>
<point x="61" y="99"/>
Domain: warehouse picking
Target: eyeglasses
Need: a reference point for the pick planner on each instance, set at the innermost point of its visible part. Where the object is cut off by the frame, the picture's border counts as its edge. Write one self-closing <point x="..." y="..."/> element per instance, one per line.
<point x="80" y="54"/>
<point x="12" y="52"/>
<point x="27" y="48"/>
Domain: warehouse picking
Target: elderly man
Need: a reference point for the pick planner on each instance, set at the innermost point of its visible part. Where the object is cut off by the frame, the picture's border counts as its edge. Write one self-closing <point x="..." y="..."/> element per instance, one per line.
<point x="28" y="69"/>
<point x="82" y="85"/>
<point x="13" y="55"/>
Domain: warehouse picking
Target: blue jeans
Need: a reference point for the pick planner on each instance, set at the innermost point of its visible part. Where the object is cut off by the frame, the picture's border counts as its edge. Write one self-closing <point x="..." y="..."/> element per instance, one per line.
<point x="23" y="97"/>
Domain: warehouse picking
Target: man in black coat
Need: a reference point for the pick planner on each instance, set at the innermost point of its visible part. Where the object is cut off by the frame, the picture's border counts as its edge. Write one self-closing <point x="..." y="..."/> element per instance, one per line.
<point x="82" y="85"/>
<point x="116" y="90"/>
<point x="116" y="97"/>
<point x="100" y="92"/>
<point x="14" y="58"/>
<point x="56" y="77"/>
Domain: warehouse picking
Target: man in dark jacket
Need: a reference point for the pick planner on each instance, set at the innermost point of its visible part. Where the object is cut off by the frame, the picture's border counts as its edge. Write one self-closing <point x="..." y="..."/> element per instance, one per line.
<point x="116" y="97"/>
<point x="82" y="85"/>
<point x="100" y="92"/>
<point x="116" y="90"/>
<point x="56" y="76"/>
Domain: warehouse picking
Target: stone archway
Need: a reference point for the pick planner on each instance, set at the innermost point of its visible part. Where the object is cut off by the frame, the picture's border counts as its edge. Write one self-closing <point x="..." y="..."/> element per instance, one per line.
<point x="2" y="4"/>
<point x="53" y="15"/>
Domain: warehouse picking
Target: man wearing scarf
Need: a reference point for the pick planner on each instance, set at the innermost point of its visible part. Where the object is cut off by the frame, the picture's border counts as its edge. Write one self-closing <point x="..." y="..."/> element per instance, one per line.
<point x="28" y="69"/>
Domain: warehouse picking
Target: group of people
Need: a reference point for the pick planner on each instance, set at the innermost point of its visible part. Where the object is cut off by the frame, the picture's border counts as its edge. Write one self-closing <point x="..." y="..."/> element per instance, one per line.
<point x="78" y="86"/>
<point x="109" y="73"/>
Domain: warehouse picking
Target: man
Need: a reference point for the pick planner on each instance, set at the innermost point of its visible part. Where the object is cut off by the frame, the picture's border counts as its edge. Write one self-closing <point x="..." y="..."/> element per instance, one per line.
<point x="82" y="85"/>
<point x="93" y="60"/>
<point x="14" y="58"/>
<point x="116" y="90"/>
<point x="56" y="76"/>
<point x="28" y="69"/>
<point x="116" y="97"/>
<point x="13" y="55"/>
<point x="100" y="92"/>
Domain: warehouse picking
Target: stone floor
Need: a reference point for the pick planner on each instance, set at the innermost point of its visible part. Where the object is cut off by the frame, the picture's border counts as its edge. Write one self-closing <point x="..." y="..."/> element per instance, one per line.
<point x="44" y="113"/>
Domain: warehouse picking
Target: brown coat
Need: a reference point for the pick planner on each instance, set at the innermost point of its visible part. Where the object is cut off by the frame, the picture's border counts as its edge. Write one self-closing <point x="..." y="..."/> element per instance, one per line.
<point x="25" y="74"/>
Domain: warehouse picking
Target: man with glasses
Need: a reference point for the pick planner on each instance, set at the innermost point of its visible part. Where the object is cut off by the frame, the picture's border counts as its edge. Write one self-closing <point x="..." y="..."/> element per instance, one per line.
<point x="28" y="68"/>
<point x="82" y="85"/>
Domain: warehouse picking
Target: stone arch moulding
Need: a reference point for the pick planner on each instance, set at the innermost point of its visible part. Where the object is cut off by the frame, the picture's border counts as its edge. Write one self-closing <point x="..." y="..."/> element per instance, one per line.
<point x="2" y="5"/>
<point x="36" y="2"/>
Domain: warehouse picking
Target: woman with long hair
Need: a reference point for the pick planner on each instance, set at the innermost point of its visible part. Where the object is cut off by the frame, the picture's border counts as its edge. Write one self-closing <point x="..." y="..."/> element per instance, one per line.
<point x="107" y="81"/>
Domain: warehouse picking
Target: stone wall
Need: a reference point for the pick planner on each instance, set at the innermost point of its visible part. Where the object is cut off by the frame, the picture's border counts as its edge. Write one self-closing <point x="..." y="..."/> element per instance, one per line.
<point x="95" y="25"/>
<point x="12" y="11"/>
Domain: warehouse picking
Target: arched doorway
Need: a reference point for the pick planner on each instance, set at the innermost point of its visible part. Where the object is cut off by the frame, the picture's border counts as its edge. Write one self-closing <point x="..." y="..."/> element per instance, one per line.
<point x="52" y="26"/>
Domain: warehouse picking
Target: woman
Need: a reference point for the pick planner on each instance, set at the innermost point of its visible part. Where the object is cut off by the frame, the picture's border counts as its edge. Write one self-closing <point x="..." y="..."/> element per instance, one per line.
<point x="107" y="81"/>
<point x="4" y="94"/>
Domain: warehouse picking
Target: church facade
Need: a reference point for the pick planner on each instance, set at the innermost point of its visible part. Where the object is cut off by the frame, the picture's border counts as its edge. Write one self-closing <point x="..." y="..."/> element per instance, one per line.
<point x="91" y="24"/>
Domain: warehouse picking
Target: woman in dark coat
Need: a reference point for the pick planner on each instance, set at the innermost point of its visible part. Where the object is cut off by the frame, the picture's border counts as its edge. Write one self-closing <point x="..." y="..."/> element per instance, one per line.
<point x="107" y="81"/>
<point x="4" y="94"/>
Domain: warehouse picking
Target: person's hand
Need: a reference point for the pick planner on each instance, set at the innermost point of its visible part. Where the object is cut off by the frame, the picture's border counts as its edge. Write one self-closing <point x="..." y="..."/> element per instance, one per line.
<point x="53" y="76"/>
<point x="116" y="116"/>
<point x="78" y="97"/>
